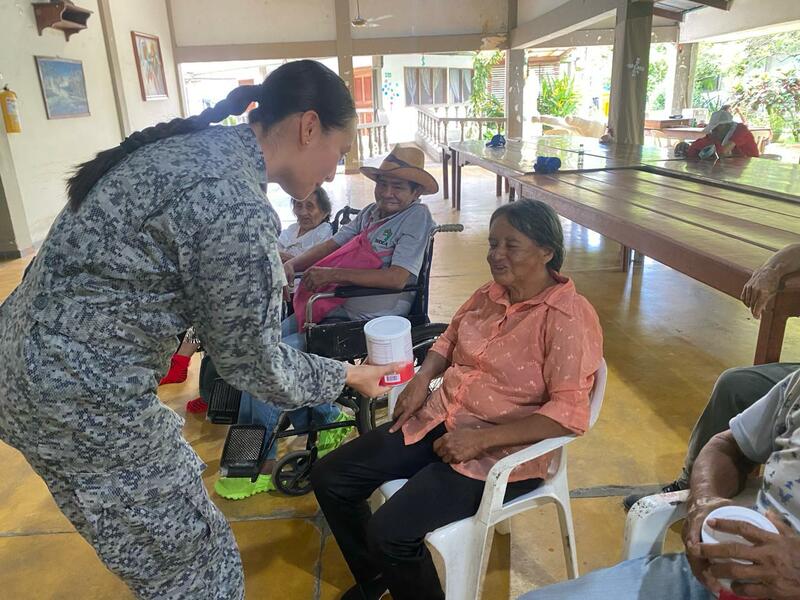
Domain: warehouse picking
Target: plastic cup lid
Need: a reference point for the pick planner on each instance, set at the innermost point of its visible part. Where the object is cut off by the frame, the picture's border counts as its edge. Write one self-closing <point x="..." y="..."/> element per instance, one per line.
<point x="734" y="513"/>
<point x="387" y="328"/>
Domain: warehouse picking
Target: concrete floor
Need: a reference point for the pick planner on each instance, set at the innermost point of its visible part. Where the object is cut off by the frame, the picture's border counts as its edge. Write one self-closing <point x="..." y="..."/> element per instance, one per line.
<point x="666" y="340"/>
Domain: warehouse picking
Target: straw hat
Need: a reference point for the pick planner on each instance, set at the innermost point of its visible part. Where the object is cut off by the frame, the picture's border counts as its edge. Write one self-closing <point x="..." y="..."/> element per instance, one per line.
<point x="720" y="117"/>
<point x="405" y="162"/>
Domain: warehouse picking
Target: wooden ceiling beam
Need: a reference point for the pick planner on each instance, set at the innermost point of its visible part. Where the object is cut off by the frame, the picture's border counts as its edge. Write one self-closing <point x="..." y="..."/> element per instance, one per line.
<point x="720" y="4"/>
<point x="668" y="14"/>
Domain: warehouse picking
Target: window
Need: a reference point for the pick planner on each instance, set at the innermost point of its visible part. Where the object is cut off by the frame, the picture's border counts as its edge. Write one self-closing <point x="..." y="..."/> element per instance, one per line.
<point x="497" y="82"/>
<point x="460" y="85"/>
<point x="429" y="85"/>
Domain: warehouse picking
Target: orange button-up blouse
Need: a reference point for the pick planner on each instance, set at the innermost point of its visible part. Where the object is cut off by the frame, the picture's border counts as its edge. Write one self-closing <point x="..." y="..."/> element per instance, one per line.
<point x="511" y="361"/>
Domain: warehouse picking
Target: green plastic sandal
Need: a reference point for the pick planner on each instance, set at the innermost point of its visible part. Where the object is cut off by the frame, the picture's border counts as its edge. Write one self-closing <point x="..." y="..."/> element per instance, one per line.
<point x="330" y="439"/>
<point x="239" y="488"/>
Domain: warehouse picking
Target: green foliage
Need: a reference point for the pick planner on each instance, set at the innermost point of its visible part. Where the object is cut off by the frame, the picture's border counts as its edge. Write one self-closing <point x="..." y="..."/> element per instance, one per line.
<point x="482" y="103"/>
<point x="656" y="74"/>
<point x="558" y="96"/>
<point x="760" y="51"/>
<point x="708" y="75"/>
<point x="775" y="94"/>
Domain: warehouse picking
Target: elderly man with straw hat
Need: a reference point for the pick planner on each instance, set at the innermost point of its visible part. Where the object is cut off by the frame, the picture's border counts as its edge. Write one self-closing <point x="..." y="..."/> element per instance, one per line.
<point x="382" y="247"/>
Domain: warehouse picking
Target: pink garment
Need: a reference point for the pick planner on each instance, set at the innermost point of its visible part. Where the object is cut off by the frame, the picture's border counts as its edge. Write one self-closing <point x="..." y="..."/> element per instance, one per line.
<point x="511" y="361"/>
<point x="358" y="253"/>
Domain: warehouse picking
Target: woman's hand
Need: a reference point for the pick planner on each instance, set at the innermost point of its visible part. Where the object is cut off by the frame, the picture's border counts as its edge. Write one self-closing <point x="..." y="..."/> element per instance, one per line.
<point x="460" y="446"/>
<point x="316" y="278"/>
<point x="775" y="572"/>
<point x="698" y="510"/>
<point x="411" y="399"/>
<point x="760" y="289"/>
<point x="285" y="257"/>
<point x="366" y="379"/>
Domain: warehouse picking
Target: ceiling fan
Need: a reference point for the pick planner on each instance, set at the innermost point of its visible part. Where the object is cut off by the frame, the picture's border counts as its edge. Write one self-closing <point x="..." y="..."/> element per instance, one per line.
<point x="361" y="22"/>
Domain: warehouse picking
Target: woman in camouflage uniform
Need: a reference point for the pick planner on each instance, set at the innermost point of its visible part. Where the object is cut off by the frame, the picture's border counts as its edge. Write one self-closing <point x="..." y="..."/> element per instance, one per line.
<point x="167" y="230"/>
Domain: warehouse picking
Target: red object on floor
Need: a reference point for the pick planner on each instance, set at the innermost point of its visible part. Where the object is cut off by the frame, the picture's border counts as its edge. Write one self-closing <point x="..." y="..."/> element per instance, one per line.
<point x="178" y="369"/>
<point x="196" y="406"/>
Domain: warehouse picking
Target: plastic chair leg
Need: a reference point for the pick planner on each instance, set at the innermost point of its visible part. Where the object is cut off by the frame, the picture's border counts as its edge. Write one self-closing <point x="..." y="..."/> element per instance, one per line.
<point x="464" y="553"/>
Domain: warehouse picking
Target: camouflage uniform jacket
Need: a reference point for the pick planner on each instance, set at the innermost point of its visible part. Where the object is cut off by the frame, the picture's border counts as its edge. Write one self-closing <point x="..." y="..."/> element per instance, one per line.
<point x="179" y="233"/>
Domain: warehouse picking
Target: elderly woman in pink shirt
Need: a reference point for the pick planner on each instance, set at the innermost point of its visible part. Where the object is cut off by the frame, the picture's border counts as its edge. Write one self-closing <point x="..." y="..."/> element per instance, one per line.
<point x="517" y="364"/>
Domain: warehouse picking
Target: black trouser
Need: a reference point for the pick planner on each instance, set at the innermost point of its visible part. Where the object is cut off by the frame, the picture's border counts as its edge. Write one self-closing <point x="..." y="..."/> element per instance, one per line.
<point x="391" y="543"/>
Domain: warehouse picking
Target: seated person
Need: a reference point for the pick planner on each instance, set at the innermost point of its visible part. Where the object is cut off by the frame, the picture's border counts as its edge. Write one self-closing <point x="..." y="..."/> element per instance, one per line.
<point x="767" y="433"/>
<point x="518" y="363"/>
<point x="312" y="227"/>
<point x="728" y="137"/>
<point x="737" y="389"/>
<point x="397" y="227"/>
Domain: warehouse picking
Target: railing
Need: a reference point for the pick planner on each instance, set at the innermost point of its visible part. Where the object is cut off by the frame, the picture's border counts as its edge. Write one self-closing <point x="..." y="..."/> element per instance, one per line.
<point x="377" y="142"/>
<point x="436" y="128"/>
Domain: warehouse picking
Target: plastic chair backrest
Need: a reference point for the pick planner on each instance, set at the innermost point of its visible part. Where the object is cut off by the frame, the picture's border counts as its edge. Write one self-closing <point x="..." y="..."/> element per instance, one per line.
<point x="598" y="392"/>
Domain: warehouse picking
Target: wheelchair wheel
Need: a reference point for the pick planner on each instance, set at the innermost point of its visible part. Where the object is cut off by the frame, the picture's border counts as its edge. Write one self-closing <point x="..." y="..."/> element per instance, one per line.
<point x="292" y="473"/>
<point x="374" y="412"/>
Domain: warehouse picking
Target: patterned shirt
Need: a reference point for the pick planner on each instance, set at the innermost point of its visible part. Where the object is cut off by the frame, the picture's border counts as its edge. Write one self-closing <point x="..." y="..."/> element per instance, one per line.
<point x="768" y="433"/>
<point x="511" y="361"/>
<point x="179" y="233"/>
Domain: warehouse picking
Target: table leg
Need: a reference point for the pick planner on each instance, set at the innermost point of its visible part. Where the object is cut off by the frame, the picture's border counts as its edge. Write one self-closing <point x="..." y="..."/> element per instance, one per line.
<point x="459" y="167"/>
<point x="626" y="258"/>
<point x="454" y="177"/>
<point x="508" y="186"/>
<point x="772" y="329"/>
<point x="498" y="186"/>
<point x="512" y="192"/>
<point x="445" y="178"/>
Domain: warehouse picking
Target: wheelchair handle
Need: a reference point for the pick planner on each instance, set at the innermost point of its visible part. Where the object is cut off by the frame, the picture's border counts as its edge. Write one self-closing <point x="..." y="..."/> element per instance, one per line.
<point x="310" y="306"/>
<point x="449" y="228"/>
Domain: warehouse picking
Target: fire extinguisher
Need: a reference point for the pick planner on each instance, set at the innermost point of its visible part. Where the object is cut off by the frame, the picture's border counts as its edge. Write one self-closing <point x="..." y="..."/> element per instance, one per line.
<point x="8" y="101"/>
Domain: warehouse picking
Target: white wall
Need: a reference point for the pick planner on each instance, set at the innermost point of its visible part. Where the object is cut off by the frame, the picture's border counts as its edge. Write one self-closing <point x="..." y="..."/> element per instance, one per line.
<point x="211" y="22"/>
<point x="144" y="16"/>
<point x="47" y="150"/>
<point x="402" y="118"/>
<point x="755" y="17"/>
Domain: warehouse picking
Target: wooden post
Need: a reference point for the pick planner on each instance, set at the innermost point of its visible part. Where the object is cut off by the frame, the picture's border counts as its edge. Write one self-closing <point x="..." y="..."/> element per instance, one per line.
<point x="344" y="54"/>
<point x="462" y="130"/>
<point x="445" y="180"/>
<point x="498" y="187"/>
<point x="629" y="70"/>
<point x="515" y="80"/>
<point x="685" y="63"/>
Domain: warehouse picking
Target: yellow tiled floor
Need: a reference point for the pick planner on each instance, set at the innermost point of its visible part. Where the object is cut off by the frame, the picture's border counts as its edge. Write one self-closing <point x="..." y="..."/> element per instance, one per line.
<point x="666" y="339"/>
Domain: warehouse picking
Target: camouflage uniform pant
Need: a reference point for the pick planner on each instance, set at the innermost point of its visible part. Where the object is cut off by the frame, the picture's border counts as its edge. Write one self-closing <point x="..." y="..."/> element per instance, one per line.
<point x="165" y="543"/>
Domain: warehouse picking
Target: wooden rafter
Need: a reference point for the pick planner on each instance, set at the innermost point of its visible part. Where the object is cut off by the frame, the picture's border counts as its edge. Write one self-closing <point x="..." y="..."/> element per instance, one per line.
<point x="720" y="4"/>
<point x="667" y="14"/>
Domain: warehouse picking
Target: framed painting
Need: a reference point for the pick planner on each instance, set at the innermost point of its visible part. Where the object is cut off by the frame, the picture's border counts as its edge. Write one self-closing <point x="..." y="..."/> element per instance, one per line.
<point x="63" y="87"/>
<point x="149" y="66"/>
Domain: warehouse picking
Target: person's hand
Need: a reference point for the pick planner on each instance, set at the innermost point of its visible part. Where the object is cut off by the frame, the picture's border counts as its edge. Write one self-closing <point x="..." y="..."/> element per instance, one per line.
<point x="760" y="289"/>
<point x="775" y="572"/>
<point x="285" y="257"/>
<point x="460" y="446"/>
<point x="697" y="512"/>
<point x="316" y="278"/>
<point x="411" y="399"/>
<point x="366" y="379"/>
<point x="288" y="269"/>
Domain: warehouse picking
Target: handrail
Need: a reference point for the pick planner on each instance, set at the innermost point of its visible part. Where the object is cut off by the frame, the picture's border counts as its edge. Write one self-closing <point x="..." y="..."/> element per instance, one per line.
<point x="377" y="139"/>
<point x="434" y="127"/>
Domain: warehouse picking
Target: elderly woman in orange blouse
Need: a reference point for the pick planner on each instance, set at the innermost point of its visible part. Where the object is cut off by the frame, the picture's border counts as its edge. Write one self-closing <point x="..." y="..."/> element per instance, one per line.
<point x="517" y="365"/>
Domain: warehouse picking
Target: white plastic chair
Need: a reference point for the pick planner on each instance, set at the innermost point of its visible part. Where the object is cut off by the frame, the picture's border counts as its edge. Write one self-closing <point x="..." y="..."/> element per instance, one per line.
<point x="651" y="517"/>
<point x="463" y="544"/>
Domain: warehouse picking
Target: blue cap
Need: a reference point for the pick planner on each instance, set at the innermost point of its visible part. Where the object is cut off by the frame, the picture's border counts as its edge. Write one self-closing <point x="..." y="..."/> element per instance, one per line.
<point x="547" y="164"/>
<point x="497" y="141"/>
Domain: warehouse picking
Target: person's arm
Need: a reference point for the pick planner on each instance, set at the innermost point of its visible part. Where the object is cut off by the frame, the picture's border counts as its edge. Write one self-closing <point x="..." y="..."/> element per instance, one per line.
<point x="743" y="143"/>
<point x="694" y="148"/>
<point x="311" y="256"/>
<point x="572" y="357"/>
<point x="391" y="278"/>
<point x="721" y="469"/>
<point x="765" y="281"/>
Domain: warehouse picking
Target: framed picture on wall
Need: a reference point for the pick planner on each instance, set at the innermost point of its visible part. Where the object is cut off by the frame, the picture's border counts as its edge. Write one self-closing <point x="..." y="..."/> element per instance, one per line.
<point x="149" y="65"/>
<point x="63" y="87"/>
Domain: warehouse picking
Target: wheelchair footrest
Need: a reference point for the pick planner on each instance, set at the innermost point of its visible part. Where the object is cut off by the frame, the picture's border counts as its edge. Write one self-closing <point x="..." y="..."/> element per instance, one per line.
<point x="223" y="406"/>
<point x="241" y="455"/>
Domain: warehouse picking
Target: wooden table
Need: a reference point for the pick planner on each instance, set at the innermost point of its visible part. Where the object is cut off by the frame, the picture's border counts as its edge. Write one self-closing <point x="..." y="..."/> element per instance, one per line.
<point x="518" y="157"/>
<point x="666" y="123"/>
<point x="755" y="175"/>
<point x="713" y="234"/>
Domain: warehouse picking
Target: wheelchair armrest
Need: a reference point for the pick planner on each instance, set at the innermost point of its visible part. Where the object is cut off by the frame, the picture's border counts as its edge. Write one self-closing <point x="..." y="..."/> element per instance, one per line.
<point x="352" y="291"/>
<point x="648" y="522"/>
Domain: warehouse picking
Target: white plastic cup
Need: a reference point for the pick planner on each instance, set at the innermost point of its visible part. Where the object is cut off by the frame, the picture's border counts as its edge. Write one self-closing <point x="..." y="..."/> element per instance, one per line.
<point x="389" y="341"/>
<point x="733" y="513"/>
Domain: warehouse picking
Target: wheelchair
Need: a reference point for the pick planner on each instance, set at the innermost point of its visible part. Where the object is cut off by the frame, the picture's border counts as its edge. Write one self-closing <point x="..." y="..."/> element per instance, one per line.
<point x="246" y="446"/>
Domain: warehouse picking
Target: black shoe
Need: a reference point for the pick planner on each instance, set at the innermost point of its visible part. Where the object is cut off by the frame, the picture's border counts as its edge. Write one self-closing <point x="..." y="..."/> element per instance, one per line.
<point x="374" y="590"/>
<point x="675" y="486"/>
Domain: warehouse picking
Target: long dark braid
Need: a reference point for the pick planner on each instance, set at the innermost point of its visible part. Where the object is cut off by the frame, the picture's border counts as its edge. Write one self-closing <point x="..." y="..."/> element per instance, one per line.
<point x="297" y="86"/>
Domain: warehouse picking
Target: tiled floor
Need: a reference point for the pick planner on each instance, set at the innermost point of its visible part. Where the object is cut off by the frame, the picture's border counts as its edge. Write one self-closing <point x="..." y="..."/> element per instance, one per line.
<point x="666" y="340"/>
